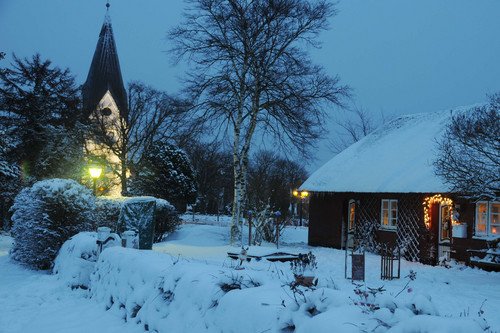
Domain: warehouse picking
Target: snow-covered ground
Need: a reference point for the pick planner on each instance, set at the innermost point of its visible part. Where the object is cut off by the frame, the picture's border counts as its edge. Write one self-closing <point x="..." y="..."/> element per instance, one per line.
<point x="178" y="288"/>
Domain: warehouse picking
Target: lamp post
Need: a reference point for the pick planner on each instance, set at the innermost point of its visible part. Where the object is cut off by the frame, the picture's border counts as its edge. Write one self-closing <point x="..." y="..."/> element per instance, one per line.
<point x="95" y="172"/>
<point x="301" y="195"/>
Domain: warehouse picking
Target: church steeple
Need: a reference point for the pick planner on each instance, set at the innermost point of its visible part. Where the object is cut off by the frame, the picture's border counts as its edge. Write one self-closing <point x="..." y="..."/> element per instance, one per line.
<point x="104" y="74"/>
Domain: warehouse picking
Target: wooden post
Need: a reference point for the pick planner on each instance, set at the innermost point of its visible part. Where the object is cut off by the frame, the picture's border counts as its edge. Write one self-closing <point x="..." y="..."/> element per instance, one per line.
<point x="249" y="229"/>
<point x="277" y="234"/>
<point x="277" y="216"/>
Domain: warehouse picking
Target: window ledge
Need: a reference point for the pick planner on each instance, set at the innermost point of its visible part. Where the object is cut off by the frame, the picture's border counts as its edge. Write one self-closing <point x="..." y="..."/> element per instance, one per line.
<point x="387" y="228"/>
<point x="485" y="237"/>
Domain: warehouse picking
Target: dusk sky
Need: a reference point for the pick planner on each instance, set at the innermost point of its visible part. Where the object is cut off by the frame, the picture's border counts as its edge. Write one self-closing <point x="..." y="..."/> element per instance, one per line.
<point x="399" y="56"/>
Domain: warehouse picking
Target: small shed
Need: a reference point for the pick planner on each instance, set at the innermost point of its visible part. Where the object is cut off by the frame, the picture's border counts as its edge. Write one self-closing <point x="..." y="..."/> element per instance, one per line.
<point x="383" y="190"/>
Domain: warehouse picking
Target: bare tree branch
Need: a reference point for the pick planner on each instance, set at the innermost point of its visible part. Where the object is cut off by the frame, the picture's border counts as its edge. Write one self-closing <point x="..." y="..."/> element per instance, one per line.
<point x="249" y="71"/>
<point x="469" y="153"/>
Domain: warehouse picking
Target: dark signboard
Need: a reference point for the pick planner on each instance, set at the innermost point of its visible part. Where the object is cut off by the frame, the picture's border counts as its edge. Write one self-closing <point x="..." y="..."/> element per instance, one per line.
<point x="137" y="214"/>
<point x="358" y="267"/>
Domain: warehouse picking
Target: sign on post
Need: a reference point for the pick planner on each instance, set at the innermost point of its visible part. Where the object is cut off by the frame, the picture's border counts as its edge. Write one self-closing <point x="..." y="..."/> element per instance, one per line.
<point x="358" y="267"/>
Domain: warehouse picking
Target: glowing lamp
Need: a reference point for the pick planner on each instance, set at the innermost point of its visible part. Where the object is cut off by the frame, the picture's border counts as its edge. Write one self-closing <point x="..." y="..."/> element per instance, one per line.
<point x="95" y="171"/>
<point x="301" y="195"/>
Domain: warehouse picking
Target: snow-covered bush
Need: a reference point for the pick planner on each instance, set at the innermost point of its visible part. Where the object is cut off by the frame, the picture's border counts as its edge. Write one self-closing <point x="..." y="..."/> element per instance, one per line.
<point x="305" y="263"/>
<point x="107" y="211"/>
<point x="166" y="219"/>
<point x="45" y="215"/>
<point x="76" y="259"/>
<point x="154" y="290"/>
<point x="264" y="221"/>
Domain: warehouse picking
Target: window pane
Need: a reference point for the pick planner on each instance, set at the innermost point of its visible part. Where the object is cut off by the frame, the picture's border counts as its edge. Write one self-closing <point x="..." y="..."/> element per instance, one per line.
<point x="352" y="206"/>
<point x="495" y="213"/>
<point x="481" y="209"/>
<point x="385" y="217"/>
<point x="394" y="212"/>
<point x="385" y="204"/>
<point x="394" y="204"/>
<point x="495" y="218"/>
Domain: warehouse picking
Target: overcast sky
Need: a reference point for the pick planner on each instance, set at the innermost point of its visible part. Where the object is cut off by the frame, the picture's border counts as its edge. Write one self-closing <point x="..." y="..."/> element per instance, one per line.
<point x="399" y="56"/>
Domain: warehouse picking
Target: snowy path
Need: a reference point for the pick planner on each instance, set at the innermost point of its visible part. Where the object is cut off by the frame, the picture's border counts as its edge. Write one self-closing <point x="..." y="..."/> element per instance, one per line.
<point x="36" y="302"/>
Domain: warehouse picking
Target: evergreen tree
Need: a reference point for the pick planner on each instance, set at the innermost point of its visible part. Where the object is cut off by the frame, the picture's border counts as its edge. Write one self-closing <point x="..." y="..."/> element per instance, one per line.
<point x="39" y="101"/>
<point x="10" y="180"/>
<point x="165" y="172"/>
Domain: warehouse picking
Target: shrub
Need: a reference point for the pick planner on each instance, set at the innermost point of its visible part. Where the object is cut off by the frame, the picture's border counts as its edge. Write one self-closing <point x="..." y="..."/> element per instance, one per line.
<point x="304" y="263"/>
<point x="107" y="211"/>
<point x="45" y="215"/>
<point x="166" y="219"/>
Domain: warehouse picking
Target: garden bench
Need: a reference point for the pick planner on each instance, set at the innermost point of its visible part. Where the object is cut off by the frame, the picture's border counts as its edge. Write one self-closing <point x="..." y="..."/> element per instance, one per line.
<point x="277" y="256"/>
<point x="476" y="258"/>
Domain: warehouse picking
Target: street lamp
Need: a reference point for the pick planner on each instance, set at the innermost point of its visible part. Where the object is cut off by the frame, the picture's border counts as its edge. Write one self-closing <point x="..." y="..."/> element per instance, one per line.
<point x="301" y="195"/>
<point x="95" y="172"/>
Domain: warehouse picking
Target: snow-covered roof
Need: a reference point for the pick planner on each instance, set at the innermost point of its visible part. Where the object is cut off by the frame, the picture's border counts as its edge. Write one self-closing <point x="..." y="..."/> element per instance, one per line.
<point x="396" y="158"/>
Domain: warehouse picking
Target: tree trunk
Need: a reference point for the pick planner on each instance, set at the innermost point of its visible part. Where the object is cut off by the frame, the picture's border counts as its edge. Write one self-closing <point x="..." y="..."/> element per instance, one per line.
<point x="123" y="177"/>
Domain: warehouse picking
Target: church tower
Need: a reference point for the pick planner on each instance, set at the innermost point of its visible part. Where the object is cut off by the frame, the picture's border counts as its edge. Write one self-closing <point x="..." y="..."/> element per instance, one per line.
<point x="105" y="103"/>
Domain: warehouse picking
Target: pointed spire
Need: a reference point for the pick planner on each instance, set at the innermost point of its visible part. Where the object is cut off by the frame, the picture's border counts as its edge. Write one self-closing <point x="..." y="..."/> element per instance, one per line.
<point x="104" y="73"/>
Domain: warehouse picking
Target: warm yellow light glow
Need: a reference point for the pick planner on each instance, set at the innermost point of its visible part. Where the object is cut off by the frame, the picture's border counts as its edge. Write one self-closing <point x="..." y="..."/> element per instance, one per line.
<point x="95" y="171"/>
<point x="429" y="201"/>
<point x="300" y="194"/>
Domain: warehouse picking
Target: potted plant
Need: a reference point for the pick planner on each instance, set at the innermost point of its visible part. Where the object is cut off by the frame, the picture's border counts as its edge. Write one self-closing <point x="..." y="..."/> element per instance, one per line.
<point x="302" y="269"/>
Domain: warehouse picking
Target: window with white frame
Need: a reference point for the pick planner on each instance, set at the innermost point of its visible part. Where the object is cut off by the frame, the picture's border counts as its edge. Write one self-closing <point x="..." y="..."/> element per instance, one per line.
<point x="352" y="215"/>
<point x="389" y="213"/>
<point x="487" y="218"/>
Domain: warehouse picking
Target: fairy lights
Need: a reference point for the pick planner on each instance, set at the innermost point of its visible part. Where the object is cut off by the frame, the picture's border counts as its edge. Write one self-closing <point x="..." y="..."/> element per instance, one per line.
<point x="429" y="201"/>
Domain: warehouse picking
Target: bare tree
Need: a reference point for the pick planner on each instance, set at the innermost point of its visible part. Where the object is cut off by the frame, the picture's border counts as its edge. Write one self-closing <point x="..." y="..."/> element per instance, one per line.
<point x="271" y="180"/>
<point x="213" y="167"/>
<point x="250" y="72"/>
<point x="469" y="153"/>
<point x="351" y="130"/>
<point x="152" y="116"/>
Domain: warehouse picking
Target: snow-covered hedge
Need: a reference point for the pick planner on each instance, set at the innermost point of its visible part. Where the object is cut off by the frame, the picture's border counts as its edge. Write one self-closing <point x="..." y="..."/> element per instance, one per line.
<point x="77" y="258"/>
<point x="107" y="211"/>
<point x="45" y="215"/>
<point x="154" y="290"/>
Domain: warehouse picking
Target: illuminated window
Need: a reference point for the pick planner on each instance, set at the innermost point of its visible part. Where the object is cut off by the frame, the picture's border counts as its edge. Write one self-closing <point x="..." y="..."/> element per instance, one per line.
<point x="352" y="214"/>
<point x="389" y="214"/>
<point x="487" y="218"/>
